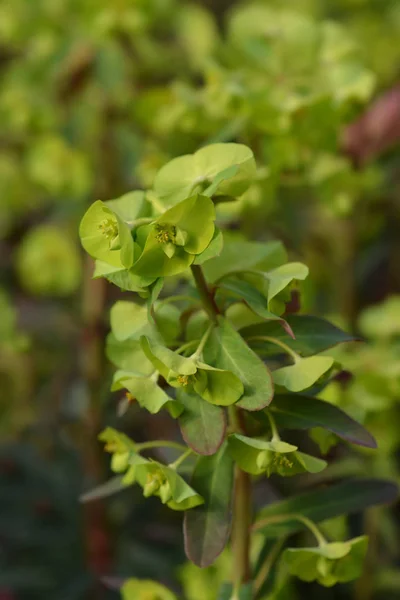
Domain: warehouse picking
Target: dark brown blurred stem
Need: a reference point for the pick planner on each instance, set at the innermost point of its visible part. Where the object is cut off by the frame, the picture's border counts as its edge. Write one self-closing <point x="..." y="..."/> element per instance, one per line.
<point x="92" y="357"/>
<point x="93" y="304"/>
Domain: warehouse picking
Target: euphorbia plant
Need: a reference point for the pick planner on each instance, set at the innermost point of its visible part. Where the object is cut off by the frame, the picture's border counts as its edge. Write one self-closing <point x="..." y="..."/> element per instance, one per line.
<point x="225" y="360"/>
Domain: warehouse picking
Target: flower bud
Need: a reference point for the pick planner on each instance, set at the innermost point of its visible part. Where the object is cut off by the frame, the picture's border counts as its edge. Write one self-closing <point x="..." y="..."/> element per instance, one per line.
<point x="264" y="459"/>
<point x="119" y="462"/>
<point x="153" y="483"/>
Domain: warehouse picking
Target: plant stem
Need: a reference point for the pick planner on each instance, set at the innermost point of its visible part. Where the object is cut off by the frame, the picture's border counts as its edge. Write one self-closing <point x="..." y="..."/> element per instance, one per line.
<point x="178" y="298"/>
<point x="277" y="519"/>
<point x="91" y="366"/>
<point x="206" y="297"/>
<point x="202" y="343"/>
<point x="274" y="429"/>
<point x="242" y="514"/>
<point x="272" y="340"/>
<point x="242" y="503"/>
<point x="267" y="565"/>
<point x="139" y="222"/>
<point x="181" y="459"/>
<point x="242" y="517"/>
<point x="186" y="346"/>
<point x="159" y="444"/>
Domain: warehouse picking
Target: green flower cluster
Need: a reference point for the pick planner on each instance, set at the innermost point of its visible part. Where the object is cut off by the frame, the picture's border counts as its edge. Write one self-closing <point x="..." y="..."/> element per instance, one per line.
<point x="257" y="456"/>
<point x="328" y="564"/>
<point x="141" y="237"/>
<point x="217" y="386"/>
<point x="153" y="477"/>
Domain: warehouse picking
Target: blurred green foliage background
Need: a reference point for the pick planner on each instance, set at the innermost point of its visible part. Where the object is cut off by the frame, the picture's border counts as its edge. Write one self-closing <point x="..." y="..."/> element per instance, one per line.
<point x="94" y="97"/>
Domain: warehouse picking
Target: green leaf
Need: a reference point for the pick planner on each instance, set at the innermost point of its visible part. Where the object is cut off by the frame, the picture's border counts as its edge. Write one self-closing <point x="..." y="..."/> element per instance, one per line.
<point x="217" y="386"/>
<point x="228" y="173"/>
<point x="129" y="320"/>
<point x="130" y="206"/>
<point x="191" y="173"/>
<point x="147" y="392"/>
<point x="304" y="412"/>
<point x="122" y="278"/>
<point x="226" y="349"/>
<point x="303" y="374"/>
<point x="165" y="360"/>
<point x="244" y="291"/>
<point x="106" y="237"/>
<point x="167" y="321"/>
<point x="312" y="335"/>
<point x="328" y="564"/>
<point x="241" y="255"/>
<point x="214" y="248"/>
<point x="145" y="589"/>
<point x="128" y="356"/>
<point x="203" y="425"/>
<point x="339" y="499"/>
<point x="282" y="276"/>
<point x="207" y="527"/>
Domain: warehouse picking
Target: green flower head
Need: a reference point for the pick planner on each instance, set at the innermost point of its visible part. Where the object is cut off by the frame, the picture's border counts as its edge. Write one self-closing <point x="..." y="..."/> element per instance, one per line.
<point x="328" y="564"/>
<point x="154" y="478"/>
<point x="165" y="483"/>
<point x="216" y="386"/>
<point x="122" y="449"/>
<point x="106" y="237"/>
<point x="172" y="242"/>
<point x="258" y="456"/>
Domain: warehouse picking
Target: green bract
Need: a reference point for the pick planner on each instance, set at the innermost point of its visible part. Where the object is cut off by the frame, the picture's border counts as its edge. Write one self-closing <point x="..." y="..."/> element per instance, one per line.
<point x="303" y="374"/>
<point x="106" y="237"/>
<point x="328" y="564"/>
<point x="216" y="170"/>
<point x="129" y="321"/>
<point x="165" y="483"/>
<point x="146" y="391"/>
<point x="155" y="479"/>
<point x="216" y="386"/>
<point x="258" y="456"/>
<point x="123" y="278"/>
<point x="172" y="241"/>
<point x="131" y="206"/>
<point x="120" y="446"/>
